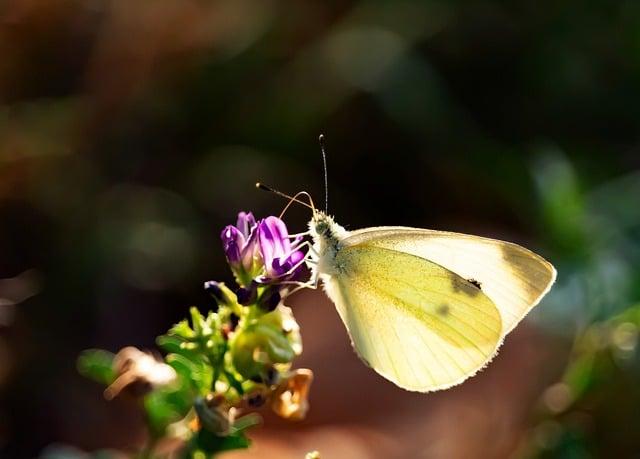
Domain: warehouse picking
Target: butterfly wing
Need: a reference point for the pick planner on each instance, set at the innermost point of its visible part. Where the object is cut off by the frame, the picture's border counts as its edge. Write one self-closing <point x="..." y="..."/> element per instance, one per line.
<point x="416" y="323"/>
<point x="513" y="277"/>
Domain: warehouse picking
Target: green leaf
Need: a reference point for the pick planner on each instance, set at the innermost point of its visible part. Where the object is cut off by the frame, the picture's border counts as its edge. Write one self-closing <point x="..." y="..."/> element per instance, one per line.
<point x="579" y="375"/>
<point x="562" y="202"/>
<point x="183" y="365"/>
<point x="183" y="330"/>
<point x="97" y="364"/>
<point x="233" y="382"/>
<point x="246" y="422"/>
<point x="175" y="345"/>
<point x="170" y="344"/>
<point x="167" y="405"/>
<point x="196" y="370"/>
<point x="213" y="320"/>
<point x="209" y="442"/>
<point x="197" y="321"/>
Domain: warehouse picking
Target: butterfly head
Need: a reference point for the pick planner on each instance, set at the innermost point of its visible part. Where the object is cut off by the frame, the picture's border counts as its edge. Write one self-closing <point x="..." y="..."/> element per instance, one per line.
<point x="321" y="224"/>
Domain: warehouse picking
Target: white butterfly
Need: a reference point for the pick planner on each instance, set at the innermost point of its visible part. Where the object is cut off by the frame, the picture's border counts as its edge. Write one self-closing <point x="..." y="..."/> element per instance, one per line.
<point x="425" y="309"/>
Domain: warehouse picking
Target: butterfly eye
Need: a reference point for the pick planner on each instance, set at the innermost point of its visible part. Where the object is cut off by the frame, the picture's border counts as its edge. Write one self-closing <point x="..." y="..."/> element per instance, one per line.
<point x="322" y="228"/>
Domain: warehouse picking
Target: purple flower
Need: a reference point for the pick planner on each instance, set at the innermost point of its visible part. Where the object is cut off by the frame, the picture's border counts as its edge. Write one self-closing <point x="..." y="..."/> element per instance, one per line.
<point x="261" y="251"/>
<point x="241" y="248"/>
<point x="282" y="259"/>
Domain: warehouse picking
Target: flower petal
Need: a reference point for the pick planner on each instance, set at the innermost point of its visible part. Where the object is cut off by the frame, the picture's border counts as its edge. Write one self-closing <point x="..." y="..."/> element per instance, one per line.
<point x="246" y="223"/>
<point x="232" y="241"/>
<point x="289" y="400"/>
<point x="276" y="234"/>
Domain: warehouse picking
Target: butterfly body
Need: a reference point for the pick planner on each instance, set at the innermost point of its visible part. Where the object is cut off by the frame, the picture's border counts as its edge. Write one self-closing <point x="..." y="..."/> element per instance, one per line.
<point x="425" y="309"/>
<point x="327" y="242"/>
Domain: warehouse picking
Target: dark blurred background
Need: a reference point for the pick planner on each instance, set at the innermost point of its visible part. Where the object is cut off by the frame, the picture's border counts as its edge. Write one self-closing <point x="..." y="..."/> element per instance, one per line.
<point x="131" y="132"/>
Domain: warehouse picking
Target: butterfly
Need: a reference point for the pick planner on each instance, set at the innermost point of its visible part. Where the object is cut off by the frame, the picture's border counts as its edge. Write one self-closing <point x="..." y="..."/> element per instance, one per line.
<point x="425" y="309"/>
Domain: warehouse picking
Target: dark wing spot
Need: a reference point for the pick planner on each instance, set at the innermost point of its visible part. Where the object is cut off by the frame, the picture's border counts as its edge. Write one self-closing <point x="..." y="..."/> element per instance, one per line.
<point x="469" y="287"/>
<point x="475" y="283"/>
<point x="443" y="310"/>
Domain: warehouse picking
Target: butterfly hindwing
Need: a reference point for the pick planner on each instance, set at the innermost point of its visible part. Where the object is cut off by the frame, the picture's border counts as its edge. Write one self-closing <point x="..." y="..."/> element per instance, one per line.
<point x="416" y="323"/>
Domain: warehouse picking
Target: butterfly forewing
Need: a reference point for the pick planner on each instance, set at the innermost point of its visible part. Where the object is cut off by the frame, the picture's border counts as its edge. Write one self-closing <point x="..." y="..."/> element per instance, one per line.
<point x="513" y="277"/>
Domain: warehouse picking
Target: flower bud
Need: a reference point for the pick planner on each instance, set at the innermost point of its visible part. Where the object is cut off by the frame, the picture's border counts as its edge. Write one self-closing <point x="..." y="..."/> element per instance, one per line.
<point x="241" y="248"/>
<point x="247" y="295"/>
<point x="213" y="418"/>
<point x="282" y="318"/>
<point x="220" y="292"/>
<point x="257" y="348"/>
<point x="270" y="298"/>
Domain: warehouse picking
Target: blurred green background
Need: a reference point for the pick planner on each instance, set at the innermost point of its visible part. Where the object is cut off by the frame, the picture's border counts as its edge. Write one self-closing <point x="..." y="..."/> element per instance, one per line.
<point x="131" y="132"/>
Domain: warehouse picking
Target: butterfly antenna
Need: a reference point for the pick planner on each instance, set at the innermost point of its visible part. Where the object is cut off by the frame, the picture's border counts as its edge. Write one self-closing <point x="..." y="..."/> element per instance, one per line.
<point x="326" y="178"/>
<point x="291" y="199"/>
<point x="295" y="199"/>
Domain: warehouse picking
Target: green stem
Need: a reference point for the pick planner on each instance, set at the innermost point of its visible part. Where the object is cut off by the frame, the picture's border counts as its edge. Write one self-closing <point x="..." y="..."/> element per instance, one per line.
<point x="217" y="366"/>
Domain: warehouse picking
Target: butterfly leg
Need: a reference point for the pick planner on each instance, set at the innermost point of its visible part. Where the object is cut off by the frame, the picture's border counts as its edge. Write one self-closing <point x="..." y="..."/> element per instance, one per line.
<point x="299" y="286"/>
<point x="311" y="283"/>
<point x="296" y="235"/>
<point x="302" y="285"/>
<point x="310" y="251"/>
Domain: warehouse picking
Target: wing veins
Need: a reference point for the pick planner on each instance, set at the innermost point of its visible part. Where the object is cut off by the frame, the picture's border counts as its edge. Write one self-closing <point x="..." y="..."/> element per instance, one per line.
<point x="448" y="325"/>
<point x="456" y="300"/>
<point x="444" y="367"/>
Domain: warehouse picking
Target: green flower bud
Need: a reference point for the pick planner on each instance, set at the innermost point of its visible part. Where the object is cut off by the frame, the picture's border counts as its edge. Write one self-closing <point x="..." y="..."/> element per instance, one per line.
<point x="258" y="347"/>
<point x="282" y="318"/>
<point x="214" y="419"/>
<point x="221" y="293"/>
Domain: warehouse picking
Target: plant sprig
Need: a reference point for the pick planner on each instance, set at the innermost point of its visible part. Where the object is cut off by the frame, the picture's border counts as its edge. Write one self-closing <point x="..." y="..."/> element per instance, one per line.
<point x="220" y="366"/>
